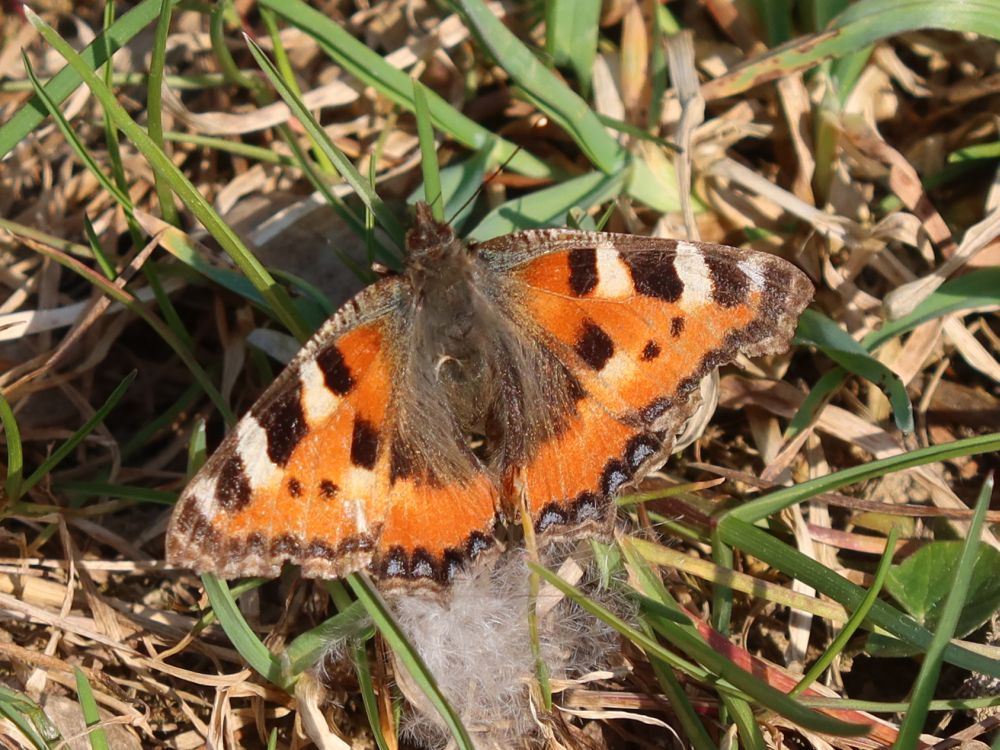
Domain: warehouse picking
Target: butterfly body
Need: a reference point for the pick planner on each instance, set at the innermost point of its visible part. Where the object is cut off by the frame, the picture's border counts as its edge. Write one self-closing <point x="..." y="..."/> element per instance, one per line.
<point x="543" y="370"/>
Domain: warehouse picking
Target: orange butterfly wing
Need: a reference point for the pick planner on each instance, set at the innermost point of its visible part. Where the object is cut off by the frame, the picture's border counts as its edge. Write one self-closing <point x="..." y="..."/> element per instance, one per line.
<point x="639" y="322"/>
<point x="307" y="476"/>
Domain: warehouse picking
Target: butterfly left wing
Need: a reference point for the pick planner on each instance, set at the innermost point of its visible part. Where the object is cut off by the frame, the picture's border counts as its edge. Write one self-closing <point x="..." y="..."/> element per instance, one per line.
<point x="638" y="322"/>
<point x="317" y="473"/>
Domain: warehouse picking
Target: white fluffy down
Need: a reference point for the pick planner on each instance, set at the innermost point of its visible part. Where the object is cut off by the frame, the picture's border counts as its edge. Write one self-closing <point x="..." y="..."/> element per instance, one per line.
<point x="478" y="648"/>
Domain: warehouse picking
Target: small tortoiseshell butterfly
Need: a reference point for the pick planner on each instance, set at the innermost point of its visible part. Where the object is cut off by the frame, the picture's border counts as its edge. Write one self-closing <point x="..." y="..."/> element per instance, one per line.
<point x="545" y="369"/>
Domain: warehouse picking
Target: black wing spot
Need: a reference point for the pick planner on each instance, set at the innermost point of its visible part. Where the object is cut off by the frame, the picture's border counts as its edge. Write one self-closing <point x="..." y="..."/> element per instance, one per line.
<point x="284" y="424"/>
<point x="730" y="286"/>
<point x="327" y="489"/>
<point x="594" y="346"/>
<point x="640" y="448"/>
<point x="294" y="487"/>
<point x="616" y="473"/>
<point x="654" y="275"/>
<point x="551" y="515"/>
<point x="364" y="444"/>
<point x="232" y="488"/>
<point x="336" y="373"/>
<point x="651" y="351"/>
<point x="676" y="326"/>
<point x="582" y="270"/>
<point x="400" y="460"/>
<point x="287" y="546"/>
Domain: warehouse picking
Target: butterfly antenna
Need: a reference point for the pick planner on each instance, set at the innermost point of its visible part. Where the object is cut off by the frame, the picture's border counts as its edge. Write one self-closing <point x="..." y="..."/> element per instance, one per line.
<point x="487" y="181"/>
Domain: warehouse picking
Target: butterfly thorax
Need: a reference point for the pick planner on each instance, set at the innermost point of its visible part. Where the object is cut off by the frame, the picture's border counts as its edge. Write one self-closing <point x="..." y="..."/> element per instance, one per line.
<point x="451" y="362"/>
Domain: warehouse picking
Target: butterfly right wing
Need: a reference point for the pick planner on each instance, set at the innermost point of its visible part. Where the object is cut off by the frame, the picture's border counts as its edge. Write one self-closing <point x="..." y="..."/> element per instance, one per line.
<point x="638" y="322"/>
<point x="309" y="475"/>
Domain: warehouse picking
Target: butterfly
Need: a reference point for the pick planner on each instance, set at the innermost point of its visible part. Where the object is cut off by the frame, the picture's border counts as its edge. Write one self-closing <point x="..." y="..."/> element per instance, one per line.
<point x="536" y="373"/>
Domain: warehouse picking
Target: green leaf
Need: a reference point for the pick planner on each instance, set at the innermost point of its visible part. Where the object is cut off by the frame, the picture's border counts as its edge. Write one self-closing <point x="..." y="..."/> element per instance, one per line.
<point x="922" y="582"/>
<point x="549" y="207"/>
<point x="817" y="330"/>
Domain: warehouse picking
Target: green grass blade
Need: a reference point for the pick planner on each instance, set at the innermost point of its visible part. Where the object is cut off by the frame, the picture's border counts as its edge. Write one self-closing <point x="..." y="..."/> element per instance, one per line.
<point x="362" y="187"/>
<point x="548" y="207"/>
<point x="815" y="329"/>
<point x="775" y="16"/>
<point x="71" y="138"/>
<point x="154" y="109"/>
<point x="815" y="401"/>
<point x="793" y="563"/>
<point x="244" y="640"/>
<point x="975" y="290"/>
<point x="118" y="491"/>
<point x="776" y="501"/>
<point x="839" y="643"/>
<point x="649" y="584"/>
<point x="350" y="624"/>
<point x="408" y="656"/>
<point x="368" y="697"/>
<point x="685" y="638"/>
<point x="862" y="24"/>
<point x="15" y="451"/>
<point x="428" y="151"/>
<point x="136" y="307"/>
<point x="460" y="182"/>
<point x="930" y="669"/>
<point x="369" y="67"/>
<point x="552" y="96"/>
<point x="968" y="292"/>
<point x="102" y="259"/>
<point x="276" y="297"/>
<point x="91" y="716"/>
<point x="571" y="32"/>
<point x="30" y="719"/>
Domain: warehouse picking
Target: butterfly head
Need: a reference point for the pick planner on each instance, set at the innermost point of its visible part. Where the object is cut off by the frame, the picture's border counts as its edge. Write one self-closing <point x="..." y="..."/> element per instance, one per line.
<point x="430" y="240"/>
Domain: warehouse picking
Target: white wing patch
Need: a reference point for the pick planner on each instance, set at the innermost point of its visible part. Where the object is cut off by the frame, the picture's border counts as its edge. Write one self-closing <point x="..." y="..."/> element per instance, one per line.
<point x="318" y="401"/>
<point x="251" y="442"/>
<point x="693" y="273"/>
<point x="613" y="278"/>
<point x="753" y="272"/>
